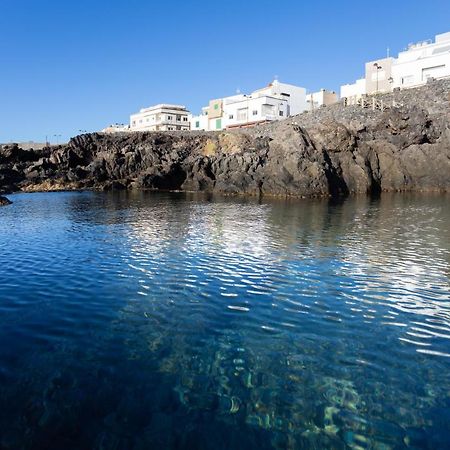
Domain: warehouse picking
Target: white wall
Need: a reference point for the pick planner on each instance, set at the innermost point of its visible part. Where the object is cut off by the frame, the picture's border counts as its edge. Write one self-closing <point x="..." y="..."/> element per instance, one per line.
<point x="296" y="96"/>
<point x="354" y="90"/>
<point x="255" y="109"/>
<point x="321" y="98"/>
<point x="200" y="120"/>
<point x="411" y="68"/>
<point x="261" y="105"/>
<point x="414" y="66"/>
<point x="164" y="117"/>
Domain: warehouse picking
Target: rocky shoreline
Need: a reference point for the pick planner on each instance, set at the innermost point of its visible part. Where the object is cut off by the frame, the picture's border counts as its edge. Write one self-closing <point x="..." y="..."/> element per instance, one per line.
<point x="334" y="151"/>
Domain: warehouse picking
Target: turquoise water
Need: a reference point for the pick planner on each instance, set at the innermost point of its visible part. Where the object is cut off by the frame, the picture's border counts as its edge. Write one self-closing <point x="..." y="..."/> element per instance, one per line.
<point x="137" y="321"/>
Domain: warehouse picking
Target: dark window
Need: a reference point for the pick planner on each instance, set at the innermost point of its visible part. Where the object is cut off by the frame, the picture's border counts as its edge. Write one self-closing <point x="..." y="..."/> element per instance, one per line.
<point x="255" y="112"/>
<point x="281" y="113"/>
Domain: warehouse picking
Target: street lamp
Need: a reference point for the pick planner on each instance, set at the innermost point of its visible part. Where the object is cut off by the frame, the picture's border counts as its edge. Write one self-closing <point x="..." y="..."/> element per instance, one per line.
<point x="378" y="68"/>
<point x="57" y="136"/>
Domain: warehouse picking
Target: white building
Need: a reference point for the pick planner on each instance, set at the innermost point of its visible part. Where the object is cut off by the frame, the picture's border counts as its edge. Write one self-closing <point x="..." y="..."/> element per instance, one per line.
<point x="412" y="68"/>
<point x="354" y="91"/>
<point x="273" y="102"/>
<point x="163" y="117"/>
<point x="249" y="110"/>
<point x="422" y="61"/>
<point x="321" y="98"/>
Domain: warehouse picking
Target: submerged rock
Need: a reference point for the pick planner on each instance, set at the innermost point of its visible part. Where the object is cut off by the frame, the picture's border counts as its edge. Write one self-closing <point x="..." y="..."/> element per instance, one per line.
<point x="4" y="201"/>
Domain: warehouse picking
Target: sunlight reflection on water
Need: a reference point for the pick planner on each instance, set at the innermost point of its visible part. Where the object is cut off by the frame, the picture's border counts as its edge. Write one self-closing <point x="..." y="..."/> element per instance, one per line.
<point x="177" y="321"/>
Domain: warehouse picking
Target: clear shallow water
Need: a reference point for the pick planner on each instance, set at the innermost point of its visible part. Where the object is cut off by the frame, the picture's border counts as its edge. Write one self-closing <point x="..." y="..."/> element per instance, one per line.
<point x="170" y="321"/>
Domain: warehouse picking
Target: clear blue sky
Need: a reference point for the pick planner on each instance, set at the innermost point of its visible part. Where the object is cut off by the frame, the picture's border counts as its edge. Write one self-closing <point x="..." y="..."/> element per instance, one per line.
<point x="72" y="65"/>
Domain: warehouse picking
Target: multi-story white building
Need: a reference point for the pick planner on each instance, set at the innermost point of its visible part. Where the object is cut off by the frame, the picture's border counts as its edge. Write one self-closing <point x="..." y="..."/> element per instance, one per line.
<point x="321" y="98"/>
<point x="413" y="67"/>
<point x="163" y="117"/>
<point x="422" y="61"/>
<point x="274" y="102"/>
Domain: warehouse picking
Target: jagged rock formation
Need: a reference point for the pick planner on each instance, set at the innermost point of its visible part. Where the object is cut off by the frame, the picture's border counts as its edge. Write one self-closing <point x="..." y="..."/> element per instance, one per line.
<point x="334" y="151"/>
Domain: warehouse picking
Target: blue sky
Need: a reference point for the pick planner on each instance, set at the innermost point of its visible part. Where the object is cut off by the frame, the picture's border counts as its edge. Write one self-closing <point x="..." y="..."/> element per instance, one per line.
<point x="77" y="65"/>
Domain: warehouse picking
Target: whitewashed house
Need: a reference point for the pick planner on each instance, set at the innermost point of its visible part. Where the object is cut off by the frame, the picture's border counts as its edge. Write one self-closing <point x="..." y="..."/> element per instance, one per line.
<point x="422" y="61"/>
<point x="273" y="102"/>
<point x="316" y="100"/>
<point x="163" y="117"/>
<point x="412" y="68"/>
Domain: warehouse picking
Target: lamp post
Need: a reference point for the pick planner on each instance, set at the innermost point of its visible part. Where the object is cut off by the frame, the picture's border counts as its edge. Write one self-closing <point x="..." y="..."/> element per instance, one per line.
<point x="378" y="68"/>
<point x="57" y="136"/>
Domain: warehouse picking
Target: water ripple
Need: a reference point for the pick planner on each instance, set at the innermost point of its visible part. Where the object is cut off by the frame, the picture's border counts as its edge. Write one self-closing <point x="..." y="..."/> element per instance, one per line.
<point x="130" y="320"/>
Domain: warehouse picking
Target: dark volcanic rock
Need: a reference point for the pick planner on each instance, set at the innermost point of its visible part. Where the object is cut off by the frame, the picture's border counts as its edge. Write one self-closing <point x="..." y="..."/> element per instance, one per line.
<point x="334" y="151"/>
<point x="4" y="201"/>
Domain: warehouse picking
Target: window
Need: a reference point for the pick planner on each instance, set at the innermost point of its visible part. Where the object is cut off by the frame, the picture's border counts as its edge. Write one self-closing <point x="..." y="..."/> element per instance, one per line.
<point x="185" y="119"/>
<point x="218" y="124"/>
<point x="433" y="72"/>
<point x="281" y="113"/>
<point x="231" y="116"/>
<point x="408" y="79"/>
<point x="134" y="123"/>
<point x="169" y="117"/>
<point x="268" y="110"/>
<point x="242" y="114"/>
<point x="255" y="112"/>
<point x="178" y="127"/>
<point x="178" y="118"/>
<point x="197" y="124"/>
<point x="140" y="121"/>
<point x="216" y="106"/>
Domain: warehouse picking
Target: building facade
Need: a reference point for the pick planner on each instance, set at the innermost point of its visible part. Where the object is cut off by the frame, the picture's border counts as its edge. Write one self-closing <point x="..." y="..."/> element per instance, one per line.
<point x="273" y="102"/>
<point x="322" y="98"/>
<point x="422" y="61"/>
<point x="163" y="117"/>
<point x="412" y="67"/>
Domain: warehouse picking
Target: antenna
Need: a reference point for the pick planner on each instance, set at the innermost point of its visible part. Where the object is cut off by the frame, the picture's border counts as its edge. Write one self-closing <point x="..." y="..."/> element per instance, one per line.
<point x="388" y="52"/>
